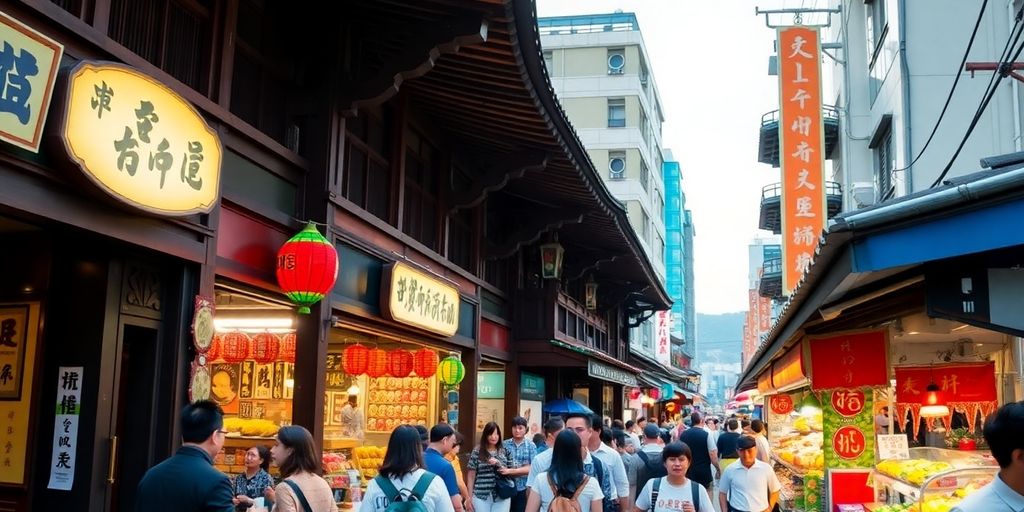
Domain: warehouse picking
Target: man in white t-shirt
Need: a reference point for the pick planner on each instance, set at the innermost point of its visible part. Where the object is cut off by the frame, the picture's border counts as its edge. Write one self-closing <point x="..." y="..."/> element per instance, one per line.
<point x="600" y="445"/>
<point x="748" y="485"/>
<point x="675" y="492"/>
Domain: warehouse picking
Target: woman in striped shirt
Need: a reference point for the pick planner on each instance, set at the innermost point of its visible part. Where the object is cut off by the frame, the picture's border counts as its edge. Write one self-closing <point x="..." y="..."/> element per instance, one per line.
<point x="482" y="472"/>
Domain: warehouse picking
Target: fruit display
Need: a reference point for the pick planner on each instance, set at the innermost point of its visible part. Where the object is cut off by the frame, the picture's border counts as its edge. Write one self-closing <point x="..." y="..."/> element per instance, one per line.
<point x="336" y="467"/>
<point x="797" y="442"/>
<point x="250" y="427"/>
<point x="395" y="401"/>
<point x="368" y="460"/>
<point x="914" y="471"/>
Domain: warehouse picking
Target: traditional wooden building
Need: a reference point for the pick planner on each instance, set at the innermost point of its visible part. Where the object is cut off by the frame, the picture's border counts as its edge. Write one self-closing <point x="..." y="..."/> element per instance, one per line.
<point x="422" y="138"/>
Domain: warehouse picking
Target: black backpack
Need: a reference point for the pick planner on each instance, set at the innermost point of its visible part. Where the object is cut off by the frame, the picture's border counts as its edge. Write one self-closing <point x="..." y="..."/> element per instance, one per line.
<point x="610" y="503"/>
<point x="652" y="468"/>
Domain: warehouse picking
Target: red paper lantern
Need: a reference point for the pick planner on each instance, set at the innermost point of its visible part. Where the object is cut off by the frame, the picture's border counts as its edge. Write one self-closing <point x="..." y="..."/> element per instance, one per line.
<point x="634" y="393"/>
<point x="287" y="352"/>
<point x="214" y="351"/>
<point x="235" y="347"/>
<point x="265" y="347"/>
<point x="354" y="359"/>
<point x="377" y="363"/>
<point x="654" y="393"/>
<point x="307" y="267"/>
<point x="424" y="362"/>
<point x="400" y="363"/>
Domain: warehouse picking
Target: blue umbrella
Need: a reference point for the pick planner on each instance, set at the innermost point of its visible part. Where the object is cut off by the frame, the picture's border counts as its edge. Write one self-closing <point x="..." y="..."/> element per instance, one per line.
<point x="566" y="406"/>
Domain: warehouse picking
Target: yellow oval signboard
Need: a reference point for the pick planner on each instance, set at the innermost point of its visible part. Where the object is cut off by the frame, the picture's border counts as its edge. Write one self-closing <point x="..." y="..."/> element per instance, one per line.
<point x="139" y="141"/>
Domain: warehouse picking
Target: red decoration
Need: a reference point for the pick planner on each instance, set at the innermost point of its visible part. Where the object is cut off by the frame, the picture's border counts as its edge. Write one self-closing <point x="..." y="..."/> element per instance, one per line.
<point x="848" y="402"/>
<point x="848" y="442"/>
<point x="288" y="342"/>
<point x="967" y="444"/>
<point x="635" y="393"/>
<point x="265" y="347"/>
<point x="670" y="406"/>
<point x="400" y="363"/>
<point x="424" y="362"/>
<point x="355" y="359"/>
<point x="307" y="267"/>
<point x="849" y="361"/>
<point x="961" y="382"/>
<point x="214" y="351"/>
<point x="654" y="393"/>
<point x="235" y="347"/>
<point x="377" y="363"/>
<point x="781" y="404"/>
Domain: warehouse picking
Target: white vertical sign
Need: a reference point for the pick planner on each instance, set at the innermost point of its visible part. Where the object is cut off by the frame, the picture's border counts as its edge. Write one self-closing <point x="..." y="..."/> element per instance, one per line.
<point x="663" y="344"/>
<point x="65" y="427"/>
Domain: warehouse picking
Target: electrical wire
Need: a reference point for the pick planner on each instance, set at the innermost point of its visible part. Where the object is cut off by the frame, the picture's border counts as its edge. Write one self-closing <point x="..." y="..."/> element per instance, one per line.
<point x="1005" y="67"/>
<point x="959" y="73"/>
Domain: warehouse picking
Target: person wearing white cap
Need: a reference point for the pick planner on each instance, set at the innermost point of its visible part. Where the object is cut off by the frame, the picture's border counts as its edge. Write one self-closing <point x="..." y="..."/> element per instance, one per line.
<point x="750" y="485"/>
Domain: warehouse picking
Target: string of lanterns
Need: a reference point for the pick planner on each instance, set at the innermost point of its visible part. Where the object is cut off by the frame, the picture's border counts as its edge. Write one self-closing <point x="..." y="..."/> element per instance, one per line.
<point x="264" y="347"/>
<point x="357" y="359"/>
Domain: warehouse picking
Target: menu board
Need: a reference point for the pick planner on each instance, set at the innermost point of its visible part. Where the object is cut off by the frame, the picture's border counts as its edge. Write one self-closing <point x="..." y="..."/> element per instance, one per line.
<point x="393" y="401"/>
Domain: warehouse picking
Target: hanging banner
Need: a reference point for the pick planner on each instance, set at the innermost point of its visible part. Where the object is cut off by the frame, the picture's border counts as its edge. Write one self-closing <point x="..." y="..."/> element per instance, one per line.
<point x="801" y="150"/>
<point x="849" y="428"/>
<point x="969" y="388"/>
<point x="663" y="343"/>
<point x="849" y="360"/>
<point x="65" y="427"/>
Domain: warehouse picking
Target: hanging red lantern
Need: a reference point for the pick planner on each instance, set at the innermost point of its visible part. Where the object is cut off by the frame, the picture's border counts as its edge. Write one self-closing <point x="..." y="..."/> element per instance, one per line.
<point x="287" y="352"/>
<point x="424" y="362"/>
<point x="400" y="363"/>
<point x="355" y="359"/>
<point x="307" y="267"/>
<point x="214" y="351"/>
<point x="235" y="347"/>
<point x="654" y="393"/>
<point x="265" y="347"/>
<point x="634" y="393"/>
<point x="377" y="363"/>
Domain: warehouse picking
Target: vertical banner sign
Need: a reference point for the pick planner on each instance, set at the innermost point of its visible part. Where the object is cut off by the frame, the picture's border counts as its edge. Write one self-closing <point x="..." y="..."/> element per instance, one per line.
<point x="801" y="150"/>
<point x="65" y="427"/>
<point x="18" y="330"/>
<point x="849" y="428"/>
<point x="663" y="344"/>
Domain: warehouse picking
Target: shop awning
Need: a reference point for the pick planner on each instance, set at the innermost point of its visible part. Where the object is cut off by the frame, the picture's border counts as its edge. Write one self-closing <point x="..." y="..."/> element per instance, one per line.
<point x="595" y="354"/>
<point x="965" y="215"/>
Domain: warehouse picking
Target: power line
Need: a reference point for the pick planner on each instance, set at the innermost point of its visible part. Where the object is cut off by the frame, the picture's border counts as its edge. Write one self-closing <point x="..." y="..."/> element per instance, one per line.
<point x="959" y="72"/>
<point x="1004" y="69"/>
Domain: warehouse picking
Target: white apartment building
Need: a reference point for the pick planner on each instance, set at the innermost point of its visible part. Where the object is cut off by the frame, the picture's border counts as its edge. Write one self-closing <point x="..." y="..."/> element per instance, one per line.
<point x="900" y="60"/>
<point x="601" y="73"/>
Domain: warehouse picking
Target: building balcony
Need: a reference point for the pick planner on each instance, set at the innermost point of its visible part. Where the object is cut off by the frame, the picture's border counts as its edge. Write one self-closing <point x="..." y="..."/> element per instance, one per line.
<point x="770" y="285"/>
<point x="768" y="147"/>
<point x="771" y="204"/>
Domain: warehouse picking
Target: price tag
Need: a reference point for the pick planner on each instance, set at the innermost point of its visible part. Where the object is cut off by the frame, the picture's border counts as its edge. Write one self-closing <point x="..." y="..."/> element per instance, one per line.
<point x="893" y="447"/>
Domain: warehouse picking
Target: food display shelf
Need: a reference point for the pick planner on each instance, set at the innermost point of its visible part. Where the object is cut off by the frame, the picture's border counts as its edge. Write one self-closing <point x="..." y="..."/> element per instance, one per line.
<point x="797" y="471"/>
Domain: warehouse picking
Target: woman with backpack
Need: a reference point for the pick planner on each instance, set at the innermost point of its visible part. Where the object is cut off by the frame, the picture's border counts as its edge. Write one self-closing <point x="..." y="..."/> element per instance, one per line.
<point x="658" y="493"/>
<point x="564" y="487"/>
<point x="483" y="475"/>
<point x="301" y="488"/>
<point x="402" y="485"/>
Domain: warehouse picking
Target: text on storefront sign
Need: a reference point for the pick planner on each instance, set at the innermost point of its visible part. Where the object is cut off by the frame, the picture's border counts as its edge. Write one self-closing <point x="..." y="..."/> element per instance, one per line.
<point x="419" y="299"/>
<point x="605" y="372"/>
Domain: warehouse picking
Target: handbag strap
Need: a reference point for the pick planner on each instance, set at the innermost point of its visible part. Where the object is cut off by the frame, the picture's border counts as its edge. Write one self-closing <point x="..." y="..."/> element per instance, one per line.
<point x="299" y="495"/>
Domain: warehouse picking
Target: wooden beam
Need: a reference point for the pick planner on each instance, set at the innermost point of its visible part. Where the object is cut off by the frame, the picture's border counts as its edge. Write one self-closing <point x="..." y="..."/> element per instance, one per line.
<point x="495" y="178"/>
<point x="419" y="57"/>
<point x="532" y="228"/>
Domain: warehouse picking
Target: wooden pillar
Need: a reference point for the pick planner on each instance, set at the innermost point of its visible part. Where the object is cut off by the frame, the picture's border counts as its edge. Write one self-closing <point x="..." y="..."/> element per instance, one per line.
<point x="467" y="400"/>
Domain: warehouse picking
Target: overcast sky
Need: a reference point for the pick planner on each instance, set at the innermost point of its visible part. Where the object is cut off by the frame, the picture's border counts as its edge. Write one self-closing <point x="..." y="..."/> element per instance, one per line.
<point x="710" y="62"/>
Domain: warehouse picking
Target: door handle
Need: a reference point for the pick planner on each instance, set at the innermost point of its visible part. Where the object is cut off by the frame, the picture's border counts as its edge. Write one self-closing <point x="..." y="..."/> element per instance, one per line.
<point x="113" y="460"/>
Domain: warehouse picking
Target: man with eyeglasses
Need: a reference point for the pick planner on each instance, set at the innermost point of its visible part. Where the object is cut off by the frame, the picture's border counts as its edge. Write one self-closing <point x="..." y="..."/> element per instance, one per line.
<point x="187" y="481"/>
<point x="592" y="466"/>
<point x="442" y="440"/>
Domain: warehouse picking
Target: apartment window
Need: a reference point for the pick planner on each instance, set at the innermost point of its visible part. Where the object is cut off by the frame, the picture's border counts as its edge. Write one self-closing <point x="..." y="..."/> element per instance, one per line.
<point x="881" y="144"/>
<point x="644" y="175"/>
<point x="877" y="23"/>
<point x="645" y="227"/>
<point x="616" y="61"/>
<point x="661" y="208"/>
<point x="549" y="62"/>
<point x="617" y="165"/>
<point x="616" y="112"/>
<point x="643" y="74"/>
<point x="645" y="131"/>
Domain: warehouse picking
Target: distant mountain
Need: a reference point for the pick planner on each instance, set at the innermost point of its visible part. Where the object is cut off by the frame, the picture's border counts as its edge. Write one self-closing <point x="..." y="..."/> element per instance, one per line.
<point x="719" y="328"/>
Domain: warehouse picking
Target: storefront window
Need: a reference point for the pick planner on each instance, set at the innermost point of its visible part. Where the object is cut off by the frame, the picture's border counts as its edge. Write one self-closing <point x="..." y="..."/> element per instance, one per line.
<point x="608" y="401"/>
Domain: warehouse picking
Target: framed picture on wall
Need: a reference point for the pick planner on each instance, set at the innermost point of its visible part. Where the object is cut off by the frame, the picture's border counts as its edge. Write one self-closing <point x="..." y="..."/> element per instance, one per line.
<point x="13" y="337"/>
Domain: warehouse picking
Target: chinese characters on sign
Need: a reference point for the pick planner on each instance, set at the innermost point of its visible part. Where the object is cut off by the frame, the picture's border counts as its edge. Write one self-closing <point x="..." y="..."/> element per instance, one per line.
<point x="801" y="150"/>
<point x="139" y="141"/>
<point x="849" y="429"/>
<point x="849" y="360"/>
<point x="662" y="339"/>
<point x="28" y="70"/>
<point x="781" y="404"/>
<point x="419" y="299"/>
<point x="65" y="427"/>
<point x="13" y="330"/>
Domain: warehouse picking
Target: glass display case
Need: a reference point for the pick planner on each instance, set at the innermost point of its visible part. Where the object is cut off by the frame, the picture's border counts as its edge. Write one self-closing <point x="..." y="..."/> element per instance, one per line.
<point x="795" y="436"/>
<point x="933" y="479"/>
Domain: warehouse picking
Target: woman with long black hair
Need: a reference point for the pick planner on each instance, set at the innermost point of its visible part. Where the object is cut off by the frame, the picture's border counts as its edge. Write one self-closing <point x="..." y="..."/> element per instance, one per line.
<point x="565" y="478"/>
<point x="302" y="488"/>
<point x="402" y="474"/>
<point x="484" y="469"/>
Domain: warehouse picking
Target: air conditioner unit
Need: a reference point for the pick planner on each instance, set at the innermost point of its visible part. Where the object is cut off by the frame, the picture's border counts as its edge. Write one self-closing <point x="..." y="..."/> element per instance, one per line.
<point x="617" y="167"/>
<point x="863" y="194"/>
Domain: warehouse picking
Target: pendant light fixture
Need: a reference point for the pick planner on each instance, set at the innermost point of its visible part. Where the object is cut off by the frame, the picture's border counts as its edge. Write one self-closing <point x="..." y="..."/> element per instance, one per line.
<point x="934" y="403"/>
